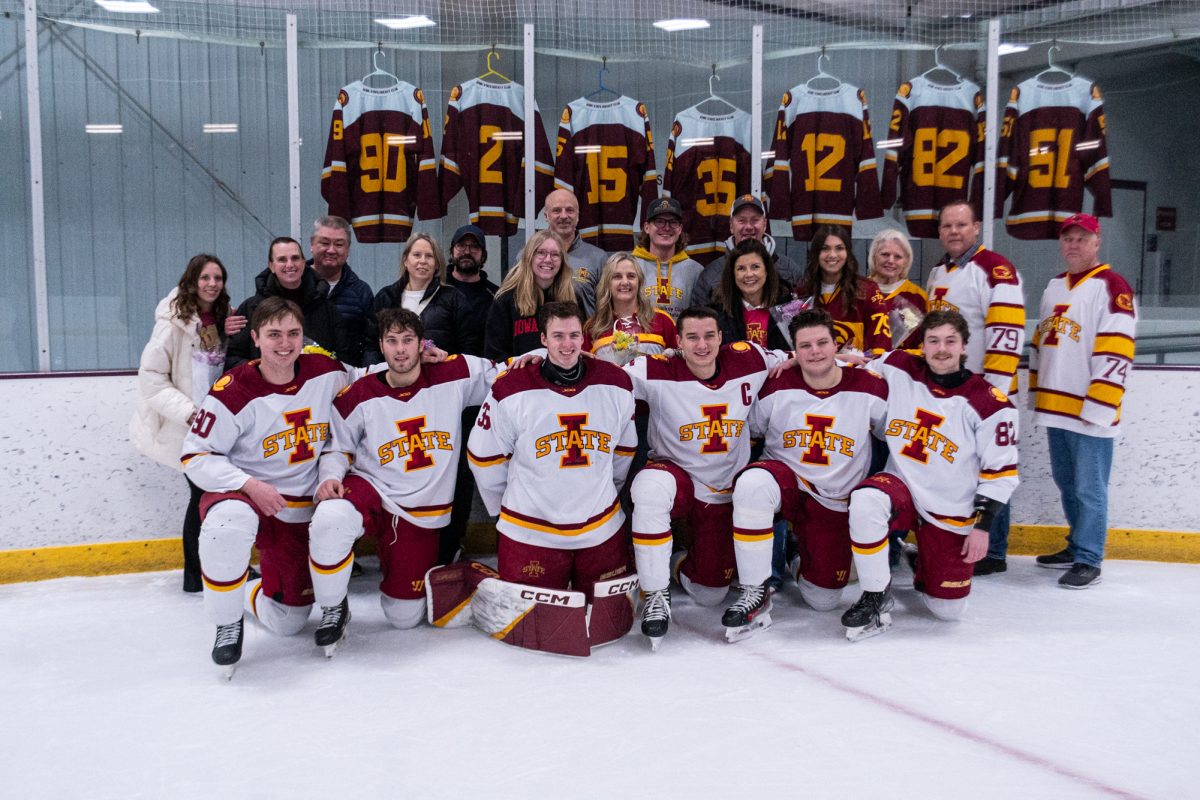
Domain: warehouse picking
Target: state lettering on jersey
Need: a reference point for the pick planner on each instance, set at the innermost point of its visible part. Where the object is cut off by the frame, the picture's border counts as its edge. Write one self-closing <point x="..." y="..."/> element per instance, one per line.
<point x="714" y="431"/>
<point x="938" y="301"/>
<point x="817" y="440"/>
<point x="415" y="444"/>
<point x="573" y="442"/>
<point x="922" y="437"/>
<point x="296" y="439"/>
<point x="1057" y="324"/>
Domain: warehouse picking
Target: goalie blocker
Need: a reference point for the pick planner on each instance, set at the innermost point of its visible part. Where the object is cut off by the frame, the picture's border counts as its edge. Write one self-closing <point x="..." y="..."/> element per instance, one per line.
<point x="549" y="620"/>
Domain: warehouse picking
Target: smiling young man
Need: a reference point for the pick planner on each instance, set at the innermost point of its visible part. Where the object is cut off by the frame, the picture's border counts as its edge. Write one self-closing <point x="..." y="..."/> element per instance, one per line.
<point x="699" y="403"/>
<point x="1081" y="357"/>
<point x="389" y="472"/>
<point x="662" y="255"/>
<point x="816" y="420"/>
<point x="253" y="449"/>
<point x="952" y="465"/>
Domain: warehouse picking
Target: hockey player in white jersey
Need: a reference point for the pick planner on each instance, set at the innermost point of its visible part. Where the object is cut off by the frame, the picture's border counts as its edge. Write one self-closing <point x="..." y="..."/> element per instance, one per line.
<point x="699" y="403"/>
<point x="389" y="472"/>
<point x="952" y="465"/>
<point x="253" y="448"/>
<point x="816" y="420"/>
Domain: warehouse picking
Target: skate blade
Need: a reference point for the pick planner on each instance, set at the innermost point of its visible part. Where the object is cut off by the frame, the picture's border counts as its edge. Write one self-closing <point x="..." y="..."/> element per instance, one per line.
<point x="761" y="622"/>
<point x="655" y="641"/>
<point x="227" y="672"/>
<point x="867" y="631"/>
<point x="330" y="650"/>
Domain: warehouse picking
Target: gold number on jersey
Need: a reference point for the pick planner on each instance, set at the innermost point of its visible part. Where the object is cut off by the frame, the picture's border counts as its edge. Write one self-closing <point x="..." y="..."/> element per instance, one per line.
<point x="927" y="168"/>
<point x="338" y="130"/>
<point x="487" y="171"/>
<point x="833" y="145"/>
<point x="897" y="114"/>
<point x="607" y="183"/>
<point x="381" y="162"/>
<point x="720" y="186"/>
<point x="1049" y="151"/>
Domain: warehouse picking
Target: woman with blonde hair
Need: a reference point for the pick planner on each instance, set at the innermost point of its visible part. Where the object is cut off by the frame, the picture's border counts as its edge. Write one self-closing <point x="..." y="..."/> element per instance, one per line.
<point x="185" y="355"/>
<point x="888" y="262"/>
<point x="422" y="289"/>
<point x="538" y="277"/>
<point x="625" y="324"/>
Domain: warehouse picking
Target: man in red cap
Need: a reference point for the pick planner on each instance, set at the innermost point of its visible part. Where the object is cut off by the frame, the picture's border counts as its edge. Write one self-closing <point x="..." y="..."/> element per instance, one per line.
<point x="1081" y="355"/>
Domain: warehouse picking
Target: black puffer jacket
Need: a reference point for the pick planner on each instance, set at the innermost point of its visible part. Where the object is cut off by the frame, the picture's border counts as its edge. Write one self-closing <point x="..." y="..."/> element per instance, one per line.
<point x="322" y="323"/>
<point x="733" y="326"/>
<point x="446" y="317"/>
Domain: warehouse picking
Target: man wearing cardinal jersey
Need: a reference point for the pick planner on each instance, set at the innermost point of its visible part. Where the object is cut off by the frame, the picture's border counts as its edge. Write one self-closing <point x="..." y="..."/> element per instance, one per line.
<point x="816" y="419"/>
<point x="390" y="473"/>
<point x="550" y="450"/>
<point x="952" y="464"/>
<point x="253" y="449"/>
<point x="699" y="402"/>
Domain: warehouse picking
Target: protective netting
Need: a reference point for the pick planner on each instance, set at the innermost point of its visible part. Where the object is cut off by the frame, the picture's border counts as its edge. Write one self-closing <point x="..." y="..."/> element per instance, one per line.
<point x="623" y="30"/>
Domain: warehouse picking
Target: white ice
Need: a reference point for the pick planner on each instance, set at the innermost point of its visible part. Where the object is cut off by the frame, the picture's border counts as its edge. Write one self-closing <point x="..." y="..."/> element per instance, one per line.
<point x="107" y="691"/>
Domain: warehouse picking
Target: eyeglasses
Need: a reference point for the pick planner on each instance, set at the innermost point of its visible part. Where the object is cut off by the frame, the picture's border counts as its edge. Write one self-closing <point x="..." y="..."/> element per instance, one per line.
<point x="667" y="224"/>
<point x="547" y="255"/>
<point x="469" y="245"/>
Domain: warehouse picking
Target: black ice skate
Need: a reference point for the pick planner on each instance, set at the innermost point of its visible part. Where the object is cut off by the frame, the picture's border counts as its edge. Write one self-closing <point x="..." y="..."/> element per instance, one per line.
<point x="332" y="630"/>
<point x="227" y="650"/>
<point x="749" y="613"/>
<point x="869" y="616"/>
<point x="656" y="616"/>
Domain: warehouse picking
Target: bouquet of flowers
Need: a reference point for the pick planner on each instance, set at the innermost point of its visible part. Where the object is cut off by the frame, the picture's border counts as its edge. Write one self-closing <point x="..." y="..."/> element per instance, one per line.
<point x="903" y="319"/>
<point x="785" y="312"/>
<point x="624" y="346"/>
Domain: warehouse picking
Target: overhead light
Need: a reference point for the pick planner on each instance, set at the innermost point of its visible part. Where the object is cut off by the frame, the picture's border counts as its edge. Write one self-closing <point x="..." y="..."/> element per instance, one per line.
<point x="127" y="6"/>
<point x="1090" y="144"/>
<point x="673" y="25"/>
<point x="508" y="136"/>
<point x="587" y="149"/>
<point x="890" y="144"/>
<point x="401" y="23"/>
<point x="704" y="141"/>
<point x="767" y="155"/>
<point x="90" y="128"/>
<point x="220" y="127"/>
<point x="1007" y="48"/>
<point x="398" y="140"/>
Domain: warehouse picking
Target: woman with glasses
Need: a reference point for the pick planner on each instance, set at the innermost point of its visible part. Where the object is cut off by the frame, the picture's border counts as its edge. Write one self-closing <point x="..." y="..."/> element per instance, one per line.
<point x="670" y="274"/>
<point x="538" y="277"/>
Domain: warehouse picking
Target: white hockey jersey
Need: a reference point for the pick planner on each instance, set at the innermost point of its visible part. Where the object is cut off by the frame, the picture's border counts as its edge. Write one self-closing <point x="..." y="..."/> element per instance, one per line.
<point x="249" y="428"/>
<point x="986" y="289"/>
<point x="1082" y="352"/>
<point x="708" y="167"/>
<point x="948" y="445"/>
<point x="406" y="442"/>
<point x="823" y="435"/>
<point x="549" y="460"/>
<point x="702" y="426"/>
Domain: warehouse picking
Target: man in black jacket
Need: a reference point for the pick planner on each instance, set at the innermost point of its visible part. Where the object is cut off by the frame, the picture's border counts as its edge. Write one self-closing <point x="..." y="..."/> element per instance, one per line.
<point x="747" y="220"/>
<point x="287" y="276"/>
<point x="468" y="254"/>
<point x="350" y="294"/>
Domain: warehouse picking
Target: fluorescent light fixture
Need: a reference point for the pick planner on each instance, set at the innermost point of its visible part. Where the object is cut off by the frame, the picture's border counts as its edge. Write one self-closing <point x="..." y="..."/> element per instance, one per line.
<point x="402" y="23"/>
<point x="220" y="127"/>
<point x="93" y="128"/>
<point x="1090" y="144"/>
<point x="701" y="142"/>
<point x="1007" y="48"/>
<point x="673" y="25"/>
<point x="508" y="136"/>
<point x="890" y="144"/>
<point x="127" y="6"/>
<point x="587" y="148"/>
<point x="399" y="140"/>
<point x="767" y="155"/>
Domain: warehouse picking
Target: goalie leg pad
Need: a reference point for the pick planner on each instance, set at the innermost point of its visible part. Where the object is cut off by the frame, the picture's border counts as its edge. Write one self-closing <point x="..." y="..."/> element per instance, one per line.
<point x="547" y="620"/>
<point x="612" y="611"/>
<point x="449" y="592"/>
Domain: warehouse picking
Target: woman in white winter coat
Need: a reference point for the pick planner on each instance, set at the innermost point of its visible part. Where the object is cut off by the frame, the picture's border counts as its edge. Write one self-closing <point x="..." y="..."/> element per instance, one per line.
<point x="183" y="358"/>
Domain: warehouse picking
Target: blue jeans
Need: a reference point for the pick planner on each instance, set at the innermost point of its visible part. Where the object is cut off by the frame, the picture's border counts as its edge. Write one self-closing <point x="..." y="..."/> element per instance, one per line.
<point x="998" y="534"/>
<point x="1081" y="465"/>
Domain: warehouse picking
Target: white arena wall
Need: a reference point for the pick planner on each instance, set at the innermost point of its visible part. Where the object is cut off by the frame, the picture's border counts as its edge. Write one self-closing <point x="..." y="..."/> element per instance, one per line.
<point x="72" y="477"/>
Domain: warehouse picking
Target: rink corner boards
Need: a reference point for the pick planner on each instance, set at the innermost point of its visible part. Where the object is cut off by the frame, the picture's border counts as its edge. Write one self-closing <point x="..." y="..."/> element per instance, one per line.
<point x="156" y="555"/>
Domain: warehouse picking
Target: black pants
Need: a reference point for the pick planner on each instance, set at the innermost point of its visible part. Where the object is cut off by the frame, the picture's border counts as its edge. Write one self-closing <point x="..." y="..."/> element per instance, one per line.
<point x="191" y="540"/>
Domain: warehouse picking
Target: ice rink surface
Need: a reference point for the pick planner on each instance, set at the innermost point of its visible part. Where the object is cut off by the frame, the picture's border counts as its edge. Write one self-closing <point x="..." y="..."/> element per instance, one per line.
<point x="108" y="691"/>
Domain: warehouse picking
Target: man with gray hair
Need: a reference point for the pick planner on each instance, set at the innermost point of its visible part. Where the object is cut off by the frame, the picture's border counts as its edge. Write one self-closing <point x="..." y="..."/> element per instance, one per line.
<point x="747" y="220"/>
<point x="350" y="294"/>
<point x="586" y="260"/>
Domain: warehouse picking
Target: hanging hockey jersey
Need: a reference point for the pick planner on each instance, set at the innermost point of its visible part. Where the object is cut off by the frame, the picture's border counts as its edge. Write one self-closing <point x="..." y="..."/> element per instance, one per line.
<point x="406" y="441"/>
<point x="1053" y="144"/>
<point x="483" y="152"/>
<point x="823" y="171"/>
<point x="986" y="289"/>
<point x="935" y="144"/>
<point x="605" y="157"/>
<point x="379" y="165"/>
<point x="1082" y="352"/>
<point x="701" y="426"/>
<point x="948" y="445"/>
<point x="550" y="459"/>
<point x="822" y="435"/>
<point x="708" y="167"/>
<point x="249" y="428"/>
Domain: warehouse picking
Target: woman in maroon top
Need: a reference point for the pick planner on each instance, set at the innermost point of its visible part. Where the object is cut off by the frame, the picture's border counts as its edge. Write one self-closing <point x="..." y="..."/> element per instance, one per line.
<point x="749" y="289"/>
<point x="832" y="281"/>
